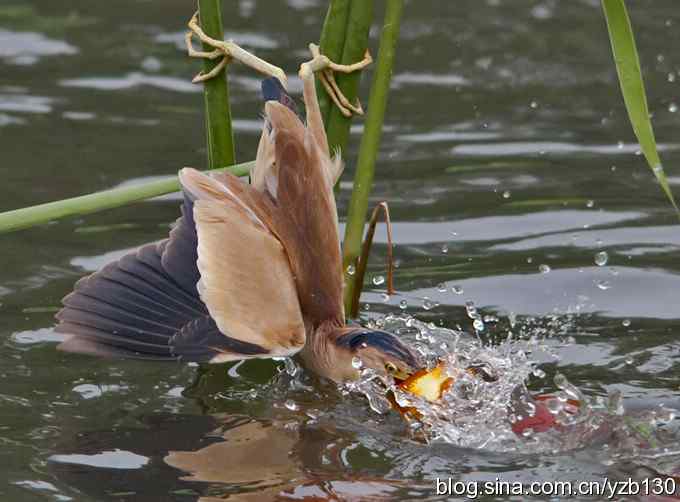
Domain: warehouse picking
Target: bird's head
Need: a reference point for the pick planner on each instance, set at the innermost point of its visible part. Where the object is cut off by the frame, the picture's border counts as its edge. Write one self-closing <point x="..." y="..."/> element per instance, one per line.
<point x="381" y="351"/>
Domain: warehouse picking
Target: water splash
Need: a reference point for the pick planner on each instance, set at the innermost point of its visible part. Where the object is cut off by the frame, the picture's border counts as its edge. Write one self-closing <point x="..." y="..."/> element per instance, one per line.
<point x="497" y="413"/>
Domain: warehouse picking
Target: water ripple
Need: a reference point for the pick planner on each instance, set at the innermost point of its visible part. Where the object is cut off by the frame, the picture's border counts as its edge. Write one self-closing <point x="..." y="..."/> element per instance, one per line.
<point x="26" y="47"/>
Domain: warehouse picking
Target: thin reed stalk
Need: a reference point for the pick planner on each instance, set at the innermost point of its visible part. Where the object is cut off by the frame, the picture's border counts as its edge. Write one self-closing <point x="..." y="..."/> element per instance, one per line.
<point x="368" y="149"/>
<point x="356" y="42"/>
<point x="221" y="151"/>
<point x="98" y="201"/>
<point x="331" y="43"/>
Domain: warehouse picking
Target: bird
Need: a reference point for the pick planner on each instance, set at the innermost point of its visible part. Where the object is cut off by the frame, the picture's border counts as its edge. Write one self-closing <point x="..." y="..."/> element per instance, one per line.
<point x="249" y="270"/>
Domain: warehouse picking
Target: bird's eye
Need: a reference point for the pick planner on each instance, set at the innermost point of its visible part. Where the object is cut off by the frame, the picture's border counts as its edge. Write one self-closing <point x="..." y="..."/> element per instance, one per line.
<point x="391" y="368"/>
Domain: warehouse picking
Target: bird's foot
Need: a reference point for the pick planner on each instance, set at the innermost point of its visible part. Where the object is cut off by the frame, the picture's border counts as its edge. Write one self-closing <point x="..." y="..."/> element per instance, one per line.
<point x="326" y="68"/>
<point x="226" y="50"/>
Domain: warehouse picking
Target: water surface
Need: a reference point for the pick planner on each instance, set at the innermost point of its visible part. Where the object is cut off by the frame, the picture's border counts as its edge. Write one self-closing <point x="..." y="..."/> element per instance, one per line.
<point x="508" y="163"/>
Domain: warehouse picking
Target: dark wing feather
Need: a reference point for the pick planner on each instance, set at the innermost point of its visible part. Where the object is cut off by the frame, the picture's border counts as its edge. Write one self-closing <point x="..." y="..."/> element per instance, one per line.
<point x="130" y="308"/>
<point x="147" y="304"/>
<point x="179" y="254"/>
<point x="200" y="340"/>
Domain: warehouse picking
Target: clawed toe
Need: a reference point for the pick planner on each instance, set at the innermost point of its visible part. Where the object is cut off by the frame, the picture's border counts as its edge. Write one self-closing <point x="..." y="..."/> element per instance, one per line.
<point x="227" y="50"/>
<point x="325" y="68"/>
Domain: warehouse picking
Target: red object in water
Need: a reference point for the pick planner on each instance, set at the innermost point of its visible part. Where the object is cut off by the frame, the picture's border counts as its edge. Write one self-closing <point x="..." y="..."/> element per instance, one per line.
<point x="542" y="420"/>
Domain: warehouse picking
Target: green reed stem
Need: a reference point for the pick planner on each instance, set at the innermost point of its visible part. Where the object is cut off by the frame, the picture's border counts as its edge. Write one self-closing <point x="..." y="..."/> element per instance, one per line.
<point x="221" y="151"/>
<point x="633" y="88"/>
<point x="368" y="149"/>
<point x="331" y="43"/>
<point x="356" y="42"/>
<point x="98" y="201"/>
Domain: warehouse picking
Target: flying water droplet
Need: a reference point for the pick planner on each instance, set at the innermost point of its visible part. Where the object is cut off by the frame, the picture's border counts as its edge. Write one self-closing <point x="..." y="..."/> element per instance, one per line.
<point x="544" y="268"/>
<point x="601" y="258"/>
<point x="672" y="107"/>
<point x="378" y="280"/>
<point x="445" y="248"/>
<point x="478" y="324"/>
<point x="625" y="323"/>
<point x="441" y="287"/>
<point x="457" y="290"/>
<point x="506" y="194"/>
<point x="290" y="367"/>
<point x="590" y="203"/>
<point x="351" y="269"/>
<point x="290" y="404"/>
<point x="539" y="373"/>
<point x="554" y="406"/>
<point x="428" y="304"/>
<point x="615" y="402"/>
<point x="403" y="305"/>
<point x="471" y="310"/>
<point x="357" y="363"/>
<point x="603" y="285"/>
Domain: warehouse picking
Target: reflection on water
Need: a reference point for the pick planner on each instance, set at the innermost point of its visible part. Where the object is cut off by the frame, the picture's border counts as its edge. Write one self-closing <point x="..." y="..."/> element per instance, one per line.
<point x="509" y="165"/>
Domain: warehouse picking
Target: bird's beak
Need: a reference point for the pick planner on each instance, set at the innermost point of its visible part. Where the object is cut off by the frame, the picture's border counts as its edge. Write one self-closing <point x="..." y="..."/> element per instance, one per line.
<point x="402" y="375"/>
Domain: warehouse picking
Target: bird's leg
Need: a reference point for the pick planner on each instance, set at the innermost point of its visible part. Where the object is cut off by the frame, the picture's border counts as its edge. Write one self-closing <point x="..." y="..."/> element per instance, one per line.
<point x="326" y="67"/>
<point x="227" y="50"/>
<point x="366" y="249"/>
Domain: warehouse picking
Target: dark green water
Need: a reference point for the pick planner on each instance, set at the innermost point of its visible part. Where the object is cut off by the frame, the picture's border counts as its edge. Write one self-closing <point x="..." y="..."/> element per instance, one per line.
<point x="506" y="148"/>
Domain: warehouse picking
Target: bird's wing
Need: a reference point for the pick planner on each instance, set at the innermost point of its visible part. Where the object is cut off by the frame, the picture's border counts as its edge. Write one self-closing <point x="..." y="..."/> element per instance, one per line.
<point x="147" y="304"/>
<point x="244" y="269"/>
<point x="306" y="216"/>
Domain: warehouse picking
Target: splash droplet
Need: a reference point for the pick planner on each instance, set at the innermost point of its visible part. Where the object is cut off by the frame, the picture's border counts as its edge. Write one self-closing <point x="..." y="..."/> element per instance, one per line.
<point x="625" y="323"/>
<point x="378" y="280"/>
<point x="457" y="289"/>
<point x="478" y="324"/>
<point x="357" y="363"/>
<point x="539" y="373"/>
<point x="441" y="287"/>
<point x="590" y="203"/>
<point x="471" y="310"/>
<point x="603" y="285"/>
<point x="290" y="404"/>
<point x="544" y="268"/>
<point x="445" y="248"/>
<point x="506" y="194"/>
<point x="428" y="304"/>
<point x="351" y="269"/>
<point x="601" y="258"/>
<point x="672" y="108"/>
<point x="403" y="304"/>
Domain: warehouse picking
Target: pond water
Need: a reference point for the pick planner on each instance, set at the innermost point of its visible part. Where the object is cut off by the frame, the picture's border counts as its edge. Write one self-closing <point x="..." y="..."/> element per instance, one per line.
<point x="514" y="183"/>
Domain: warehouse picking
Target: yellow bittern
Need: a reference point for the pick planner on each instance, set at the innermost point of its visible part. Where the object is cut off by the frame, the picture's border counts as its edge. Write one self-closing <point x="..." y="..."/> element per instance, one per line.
<point x="248" y="270"/>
